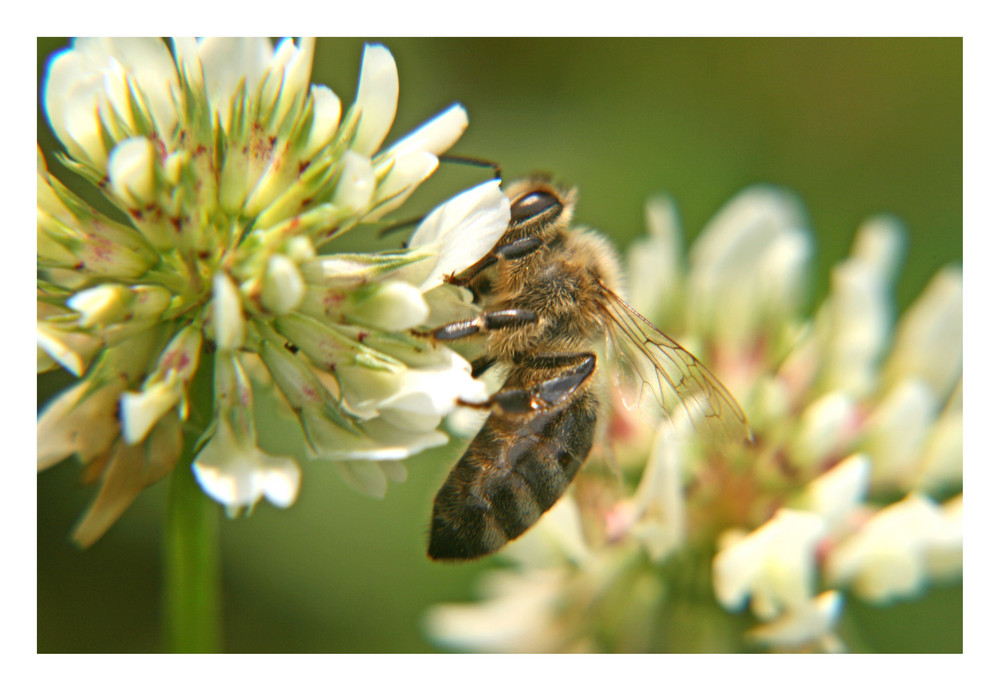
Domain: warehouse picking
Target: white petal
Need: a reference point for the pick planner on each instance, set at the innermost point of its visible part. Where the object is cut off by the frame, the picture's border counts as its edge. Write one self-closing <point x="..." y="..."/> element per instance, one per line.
<point x="90" y="76"/>
<point x="835" y="493"/>
<point x="72" y="89"/>
<point x="448" y="304"/>
<point x="394" y="471"/>
<point x="326" y="119"/>
<point x="724" y="290"/>
<point x="290" y="69"/>
<point x="782" y="274"/>
<point x="163" y="389"/>
<point x="929" y="340"/>
<point x="896" y="432"/>
<point x="300" y="249"/>
<point x="857" y="328"/>
<point x="774" y="565"/>
<point x="805" y="624"/>
<point x="79" y="421"/>
<point x="390" y="306"/>
<point x="81" y="126"/>
<point x="149" y="63"/>
<point x="517" y="618"/>
<point x="356" y="185"/>
<point x="101" y="304"/>
<point x="72" y="350"/>
<point x="188" y="63"/>
<point x="462" y="230"/>
<point x="364" y="387"/>
<point x="281" y="480"/>
<point x="659" y="498"/>
<point x="43" y="362"/>
<point x="408" y="171"/>
<point x="465" y="422"/>
<point x="556" y="539"/>
<point x="227" y="61"/>
<point x="238" y="474"/>
<point x="390" y="443"/>
<point x="886" y="558"/>
<point x="380" y="441"/>
<point x="944" y="551"/>
<point x="140" y="411"/>
<point x="654" y="262"/>
<point x="745" y="226"/>
<point x="881" y="243"/>
<point x="64" y="70"/>
<point x="364" y="476"/>
<point x="427" y="394"/>
<point x="180" y="357"/>
<point x="378" y="92"/>
<point x="435" y="136"/>
<point x="823" y="430"/>
<point x="942" y="457"/>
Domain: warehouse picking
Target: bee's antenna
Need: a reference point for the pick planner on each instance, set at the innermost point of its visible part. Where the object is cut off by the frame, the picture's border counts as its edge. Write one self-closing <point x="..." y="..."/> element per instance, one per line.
<point x="398" y="225"/>
<point x="471" y="161"/>
<point x="444" y="158"/>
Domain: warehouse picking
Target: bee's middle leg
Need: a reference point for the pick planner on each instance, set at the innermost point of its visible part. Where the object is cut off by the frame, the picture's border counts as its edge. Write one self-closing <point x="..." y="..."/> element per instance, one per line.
<point x="485" y="321"/>
<point x="481" y="364"/>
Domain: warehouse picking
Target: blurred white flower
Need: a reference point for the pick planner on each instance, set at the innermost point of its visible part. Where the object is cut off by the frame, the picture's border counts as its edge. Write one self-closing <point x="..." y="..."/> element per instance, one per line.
<point x="772" y="567"/>
<point x="232" y="172"/>
<point x="891" y="555"/>
<point x="810" y="623"/>
<point x="847" y="415"/>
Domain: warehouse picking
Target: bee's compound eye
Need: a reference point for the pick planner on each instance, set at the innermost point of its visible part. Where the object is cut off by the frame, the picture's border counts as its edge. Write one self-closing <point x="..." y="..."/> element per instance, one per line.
<point x="534" y="204"/>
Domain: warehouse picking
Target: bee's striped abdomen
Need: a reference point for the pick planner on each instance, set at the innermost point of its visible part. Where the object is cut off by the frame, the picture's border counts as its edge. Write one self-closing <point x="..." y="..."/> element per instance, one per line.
<point x="514" y="470"/>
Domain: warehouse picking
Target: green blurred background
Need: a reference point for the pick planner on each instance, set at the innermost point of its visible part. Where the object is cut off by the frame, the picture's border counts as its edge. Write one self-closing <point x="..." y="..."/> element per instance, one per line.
<point x="854" y="126"/>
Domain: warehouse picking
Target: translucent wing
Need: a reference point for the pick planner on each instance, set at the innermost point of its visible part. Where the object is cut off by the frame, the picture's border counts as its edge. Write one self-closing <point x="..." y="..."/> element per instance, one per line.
<point x="649" y="361"/>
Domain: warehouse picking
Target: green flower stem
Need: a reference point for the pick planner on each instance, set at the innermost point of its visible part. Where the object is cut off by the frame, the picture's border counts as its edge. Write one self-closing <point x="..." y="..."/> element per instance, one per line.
<point x="191" y="559"/>
<point x="192" y="572"/>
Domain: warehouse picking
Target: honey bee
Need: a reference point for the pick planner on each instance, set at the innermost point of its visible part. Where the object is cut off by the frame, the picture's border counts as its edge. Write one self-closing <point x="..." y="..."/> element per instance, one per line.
<point x="548" y="298"/>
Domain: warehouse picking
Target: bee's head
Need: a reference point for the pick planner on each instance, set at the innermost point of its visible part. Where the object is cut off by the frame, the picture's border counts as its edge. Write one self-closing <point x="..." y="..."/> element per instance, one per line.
<point x="538" y="207"/>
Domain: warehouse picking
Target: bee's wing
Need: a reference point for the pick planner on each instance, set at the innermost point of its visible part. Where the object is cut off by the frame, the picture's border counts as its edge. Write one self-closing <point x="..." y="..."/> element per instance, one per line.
<point x="650" y="361"/>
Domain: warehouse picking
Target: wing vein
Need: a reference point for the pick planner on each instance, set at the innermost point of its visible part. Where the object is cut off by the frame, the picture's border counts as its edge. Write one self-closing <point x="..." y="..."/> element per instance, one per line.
<point x="677" y="376"/>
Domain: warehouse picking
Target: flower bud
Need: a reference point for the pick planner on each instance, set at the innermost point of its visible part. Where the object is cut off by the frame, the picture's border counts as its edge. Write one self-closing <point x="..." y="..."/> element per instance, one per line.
<point x="283" y="287"/>
<point x="100" y="305"/>
<point x="227" y="313"/>
<point x="132" y="172"/>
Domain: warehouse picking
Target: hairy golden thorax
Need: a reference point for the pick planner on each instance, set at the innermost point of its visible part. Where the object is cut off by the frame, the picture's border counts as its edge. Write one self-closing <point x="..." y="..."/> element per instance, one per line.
<point x="560" y="282"/>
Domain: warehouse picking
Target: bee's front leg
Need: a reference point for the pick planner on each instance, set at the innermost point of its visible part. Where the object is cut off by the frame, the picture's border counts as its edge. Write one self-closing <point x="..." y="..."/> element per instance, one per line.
<point x="511" y="250"/>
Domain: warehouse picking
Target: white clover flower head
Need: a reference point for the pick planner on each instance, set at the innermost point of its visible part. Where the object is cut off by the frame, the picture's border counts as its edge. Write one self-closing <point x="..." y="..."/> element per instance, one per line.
<point x="233" y="172"/>
<point x="847" y="412"/>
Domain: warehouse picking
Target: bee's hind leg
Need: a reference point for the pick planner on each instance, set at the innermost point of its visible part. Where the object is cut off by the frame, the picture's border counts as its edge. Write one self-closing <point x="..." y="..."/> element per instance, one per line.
<point x="573" y="370"/>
